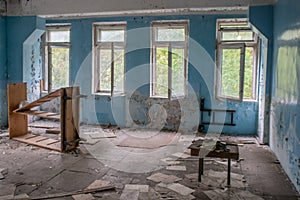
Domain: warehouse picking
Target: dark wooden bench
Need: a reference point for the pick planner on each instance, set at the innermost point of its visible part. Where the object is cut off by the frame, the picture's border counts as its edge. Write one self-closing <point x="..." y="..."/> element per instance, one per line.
<point x="231" y="151"/>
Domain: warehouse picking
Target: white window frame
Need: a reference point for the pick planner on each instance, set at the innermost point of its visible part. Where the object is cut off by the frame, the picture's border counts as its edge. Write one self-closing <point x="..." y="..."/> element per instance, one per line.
<point x="236" y="44"/>
<point x="97" y="45"/>
<point x="47" y="72"/>
<point x="168" y="44"/>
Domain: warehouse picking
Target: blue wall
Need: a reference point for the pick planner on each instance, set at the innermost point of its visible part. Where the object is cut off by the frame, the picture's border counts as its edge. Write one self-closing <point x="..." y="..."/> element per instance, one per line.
<point x="133" y="108"/>
<point x="285" y="105"/>
<point x="3" y="73"/>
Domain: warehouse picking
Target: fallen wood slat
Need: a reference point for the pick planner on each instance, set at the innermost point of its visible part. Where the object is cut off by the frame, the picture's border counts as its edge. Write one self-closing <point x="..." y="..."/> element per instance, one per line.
<point x="42" y="114"/>
<point x="40" y="101"/>
<point x="53" y="131"/>
<point x="65" y="194"/>
<point x="40" y="141"/>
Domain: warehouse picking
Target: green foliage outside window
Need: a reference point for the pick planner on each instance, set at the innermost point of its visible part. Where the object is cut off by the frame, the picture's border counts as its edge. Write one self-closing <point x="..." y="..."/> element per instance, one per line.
<point x="60" y="67"/>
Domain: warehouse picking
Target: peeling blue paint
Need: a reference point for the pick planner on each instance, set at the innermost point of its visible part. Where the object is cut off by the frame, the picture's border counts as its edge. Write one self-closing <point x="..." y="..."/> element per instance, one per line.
<point x="3" y="73"/>
<point x="285" y="103"/>
<point x="202" y="30"/>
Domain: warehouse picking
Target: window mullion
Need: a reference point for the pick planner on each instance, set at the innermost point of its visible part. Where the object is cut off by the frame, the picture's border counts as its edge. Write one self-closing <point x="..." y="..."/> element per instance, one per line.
<point x="242" y="71"/>
<point x="49" y="68"/>
<point x="169" y="71"/>
<point x="112" y="70"/>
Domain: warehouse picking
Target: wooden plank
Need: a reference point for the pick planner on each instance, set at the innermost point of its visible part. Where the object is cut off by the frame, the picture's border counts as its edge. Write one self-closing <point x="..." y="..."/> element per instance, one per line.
<point x="43" y="114"/>
<point x="18" y="124"/>
<point x="71" y="117"/>
<point x="53" y="131"/>
<point x="40" y="101"/>
<point x="40" y="141"/>
<point x="65" y="194"/>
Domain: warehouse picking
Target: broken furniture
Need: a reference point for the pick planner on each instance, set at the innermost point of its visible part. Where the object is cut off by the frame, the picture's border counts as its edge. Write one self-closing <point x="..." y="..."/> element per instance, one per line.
<point x="221" y="150"/>
<point x="69" y="117"/>
<point x="212" y="113"/>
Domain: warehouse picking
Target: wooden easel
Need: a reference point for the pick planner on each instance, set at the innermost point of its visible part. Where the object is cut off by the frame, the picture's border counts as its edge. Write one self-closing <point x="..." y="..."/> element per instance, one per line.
<point x="69" y="117"/>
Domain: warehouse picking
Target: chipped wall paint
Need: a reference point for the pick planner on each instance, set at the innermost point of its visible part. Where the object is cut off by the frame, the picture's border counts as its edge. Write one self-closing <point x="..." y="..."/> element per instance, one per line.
<point x="264" y="28"/>
<point x="3" y="73"/>
<point x="201" y="69"/>
<point x="285" y="103"/>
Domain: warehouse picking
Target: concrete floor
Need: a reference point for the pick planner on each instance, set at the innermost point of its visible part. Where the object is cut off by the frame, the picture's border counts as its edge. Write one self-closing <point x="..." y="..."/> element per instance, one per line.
<point x="35" y="171"/>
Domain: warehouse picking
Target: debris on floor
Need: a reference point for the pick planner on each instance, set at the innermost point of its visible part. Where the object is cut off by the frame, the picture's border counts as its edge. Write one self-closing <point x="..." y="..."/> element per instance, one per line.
<point x="129" y="194"/>
<point x="160" y="177"/>
<point x="99" y="184"/>
<point x="83" y="197"/>
<point x="229" y="194"/>
<point x="179" y="188"/>
<point x="176" y="168"/>
<point x="3" y="172"/>
<point x="181" y="155"/>
<point x="140" y="188"/>
<point x="170" y="161"/>
<point x="218" y="179"/>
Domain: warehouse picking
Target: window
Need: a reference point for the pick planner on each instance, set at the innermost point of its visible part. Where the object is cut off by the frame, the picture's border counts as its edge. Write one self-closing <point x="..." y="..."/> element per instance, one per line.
<point x="57" y="57"/>
<point x="237" y="54"/>
<point x="169" y="59"/>
<point x="109" y="58"/>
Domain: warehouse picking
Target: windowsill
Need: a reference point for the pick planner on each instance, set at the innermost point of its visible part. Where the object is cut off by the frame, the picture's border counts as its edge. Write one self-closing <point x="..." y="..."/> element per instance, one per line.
<point x="235" y="100"/>
<point x="167" y="98"/>
<point x="105" y="94"/>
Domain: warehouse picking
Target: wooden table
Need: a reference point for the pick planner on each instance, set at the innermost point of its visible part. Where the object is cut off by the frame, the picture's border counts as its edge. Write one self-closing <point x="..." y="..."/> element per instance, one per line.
<point x="232" y="152"/>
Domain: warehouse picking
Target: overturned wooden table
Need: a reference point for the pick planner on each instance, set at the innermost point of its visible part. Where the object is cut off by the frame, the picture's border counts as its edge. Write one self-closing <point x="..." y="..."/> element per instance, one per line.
<point x="231" y="151"/>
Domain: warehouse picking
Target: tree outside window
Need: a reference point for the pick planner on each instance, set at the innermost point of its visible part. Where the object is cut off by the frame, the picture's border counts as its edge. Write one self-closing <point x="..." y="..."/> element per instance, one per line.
<point x="109" y="58"/>
<point x="237" y="54"/>
<point x="57" y="57"/>
<point x="169" y="59"/>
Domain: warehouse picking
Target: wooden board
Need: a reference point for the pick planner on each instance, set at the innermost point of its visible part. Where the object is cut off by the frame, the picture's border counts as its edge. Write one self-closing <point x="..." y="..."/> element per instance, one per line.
<point x="40" y="141"/>
<point x="53" y="131"/>
<point x="70" y="117"/>
<point x="43" y="114"/>
<point x="40" y="101"/>
<point x="18" y="124"/>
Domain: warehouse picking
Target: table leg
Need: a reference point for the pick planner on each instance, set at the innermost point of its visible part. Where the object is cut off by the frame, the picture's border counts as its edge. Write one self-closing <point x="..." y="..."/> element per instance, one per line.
<point x="200" y="169"/>
<point x="228" y="171"/>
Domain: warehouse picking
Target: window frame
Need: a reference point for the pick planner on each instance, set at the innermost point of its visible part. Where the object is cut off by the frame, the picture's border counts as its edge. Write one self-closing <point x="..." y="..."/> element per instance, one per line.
<point x="173" y="24"/>
<point x="112" y="45"/>
<point x="243" y="44"/>
<point x="47" y="68"/>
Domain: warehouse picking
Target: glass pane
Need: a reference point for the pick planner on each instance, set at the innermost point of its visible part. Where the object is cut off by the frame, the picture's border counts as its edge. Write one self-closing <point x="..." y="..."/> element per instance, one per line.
<point x="237" y="35"/>
<point x="105" y="69"/>
<point x="161" y="72"/>
<point x="119" y="70"/>
<point x="231" y="72"/>
<point x="59" y="36"/>
<point x="59" y="67"/>
<point x="178" y="75"/>
<point x="170" y="34"/>
<point x="248" y="74"/>
<point x="111" y="36"/>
